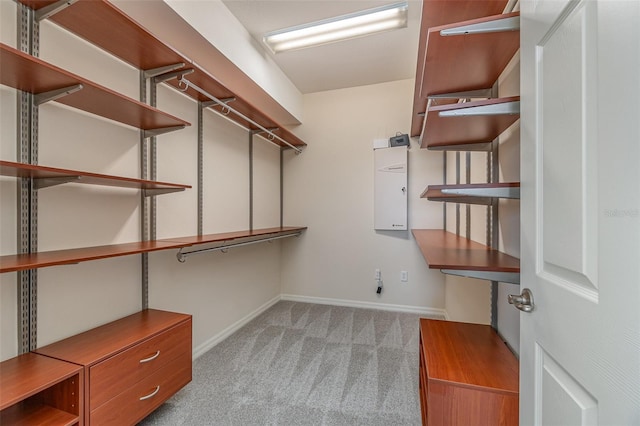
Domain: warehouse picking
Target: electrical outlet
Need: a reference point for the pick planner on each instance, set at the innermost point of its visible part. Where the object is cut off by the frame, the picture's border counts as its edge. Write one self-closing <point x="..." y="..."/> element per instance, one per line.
<point x="378" y="275"/>
<point x="404" y="276"/>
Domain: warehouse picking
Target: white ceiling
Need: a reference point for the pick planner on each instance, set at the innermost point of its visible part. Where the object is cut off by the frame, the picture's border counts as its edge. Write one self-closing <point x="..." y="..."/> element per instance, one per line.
<point x="368" y="60"/>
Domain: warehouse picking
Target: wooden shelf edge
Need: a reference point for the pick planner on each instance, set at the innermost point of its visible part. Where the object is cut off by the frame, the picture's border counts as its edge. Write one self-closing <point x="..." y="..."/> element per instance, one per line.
<point x="21" y="170"/>
<point x="478" y="193"/>
<point x="20" y="262"/>
<point x="445" y="250"/>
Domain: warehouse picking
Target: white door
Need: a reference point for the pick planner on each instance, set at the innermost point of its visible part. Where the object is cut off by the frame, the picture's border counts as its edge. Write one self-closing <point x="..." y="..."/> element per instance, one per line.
<point x="580" y="121"/>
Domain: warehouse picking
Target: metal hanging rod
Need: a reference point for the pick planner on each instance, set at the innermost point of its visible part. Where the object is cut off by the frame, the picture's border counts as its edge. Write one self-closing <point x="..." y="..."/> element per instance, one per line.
<point x="182" y="256"/>
<point x="186" y="84"/>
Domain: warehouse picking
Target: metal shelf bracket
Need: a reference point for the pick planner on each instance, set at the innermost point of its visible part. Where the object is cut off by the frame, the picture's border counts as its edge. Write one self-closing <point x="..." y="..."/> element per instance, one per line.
<point x="505" y="24"/>
<point x="52" y="9"/>
<point x="505" y="277"/>
<point x="149" y="133"/>
<point x="52" y="95"/>
<point x="41" y="183"/>
<point x="160" y="191"/>
<point x="506" y="108"/>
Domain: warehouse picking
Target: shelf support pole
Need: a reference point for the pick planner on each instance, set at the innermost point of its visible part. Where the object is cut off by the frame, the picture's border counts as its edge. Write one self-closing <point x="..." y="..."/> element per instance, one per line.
<point x="28" y="39"/>
<point x="144" y="201"/>
<point x="201" y="107"/>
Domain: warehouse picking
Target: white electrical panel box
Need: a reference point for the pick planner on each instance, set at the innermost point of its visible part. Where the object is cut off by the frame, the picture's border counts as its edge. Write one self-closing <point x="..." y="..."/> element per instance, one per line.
<point x="390" y="188"/>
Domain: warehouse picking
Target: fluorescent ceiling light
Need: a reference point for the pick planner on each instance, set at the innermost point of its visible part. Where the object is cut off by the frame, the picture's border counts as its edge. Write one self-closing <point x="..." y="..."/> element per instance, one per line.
<point x="340" y="28"/>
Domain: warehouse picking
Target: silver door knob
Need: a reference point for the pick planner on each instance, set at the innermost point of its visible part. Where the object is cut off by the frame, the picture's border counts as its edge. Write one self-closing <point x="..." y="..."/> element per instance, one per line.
<point x="523" y="301"/>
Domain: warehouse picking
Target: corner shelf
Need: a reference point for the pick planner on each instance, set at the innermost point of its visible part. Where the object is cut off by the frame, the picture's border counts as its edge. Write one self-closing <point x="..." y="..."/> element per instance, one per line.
<point x="475" y="193"/>
<point x="103" y="24"/>
<point x="477" y="122"/>
<point x="30" y="74"/>
<point x="20" y="262"/>
<point x="39" y="390"/>
<point x="50" y="176"/>
<point x="456" y="255"/>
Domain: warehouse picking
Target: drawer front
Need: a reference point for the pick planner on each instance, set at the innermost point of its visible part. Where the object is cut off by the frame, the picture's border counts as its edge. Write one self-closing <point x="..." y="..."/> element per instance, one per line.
<point x="116" y="374"/>
<point x="136" y="402"/>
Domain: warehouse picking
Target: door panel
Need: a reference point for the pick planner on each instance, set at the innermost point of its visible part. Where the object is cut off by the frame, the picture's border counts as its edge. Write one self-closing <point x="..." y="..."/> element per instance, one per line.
<point x="580" y="212"/>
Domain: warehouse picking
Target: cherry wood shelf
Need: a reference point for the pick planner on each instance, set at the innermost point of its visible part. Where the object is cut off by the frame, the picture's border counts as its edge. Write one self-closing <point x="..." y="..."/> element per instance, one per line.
<point x="467" y="62"/>
<point x="19" y="262"/>
<point x="29" y="383"/>
<point x="236" y="235"/>
<point x="437" y="13"/>
<point x="439" y="192"/>
<point x="468" y="375"/>
<point x="467" y="129"/>
<point x="8" y="168"/>
<point x="103" y="24"/>
<point x="445" y="250"/>
<point x="30" y="74"/>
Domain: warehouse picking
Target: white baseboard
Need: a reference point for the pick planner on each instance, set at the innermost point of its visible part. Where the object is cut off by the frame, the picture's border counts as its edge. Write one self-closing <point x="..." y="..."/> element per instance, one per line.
<point x="431" y="312"/>
<point x="210" y="343"/>
<point x="201" y="349"/>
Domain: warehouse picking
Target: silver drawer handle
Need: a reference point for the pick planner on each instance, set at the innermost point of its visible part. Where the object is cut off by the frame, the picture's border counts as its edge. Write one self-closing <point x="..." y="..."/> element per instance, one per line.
<point x="151" y="358"/>
<point x="151" y="395"/>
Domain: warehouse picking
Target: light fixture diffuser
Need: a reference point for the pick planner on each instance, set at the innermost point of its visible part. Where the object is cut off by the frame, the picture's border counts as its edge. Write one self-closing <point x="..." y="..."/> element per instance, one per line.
<point x="339" y="28"/>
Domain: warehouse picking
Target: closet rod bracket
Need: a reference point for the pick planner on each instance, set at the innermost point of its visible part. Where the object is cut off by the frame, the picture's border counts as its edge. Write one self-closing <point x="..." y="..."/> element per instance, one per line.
<point x="184" y="84"/>
<point x="169" y="75"/>
<point x="160" y="72"/>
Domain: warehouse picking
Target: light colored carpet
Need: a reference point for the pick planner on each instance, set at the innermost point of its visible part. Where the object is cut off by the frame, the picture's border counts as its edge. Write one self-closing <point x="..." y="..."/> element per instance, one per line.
<point x="305" y="364"/>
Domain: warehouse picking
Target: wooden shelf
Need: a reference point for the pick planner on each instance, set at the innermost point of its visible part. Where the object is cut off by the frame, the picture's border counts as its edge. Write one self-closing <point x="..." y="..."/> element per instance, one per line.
<point x="444" y="250"/>
<point x="19" y="262"/>
<point x="48" y="176"/>
<point x="30" y="74"/>
<point x="475" y="193"/>
<point x="467" y="62"/>
<point x="103" y="24"/>
<point x="36" y="389"/>
<point x="437" y="13"/>
<point x="470" y="122"/>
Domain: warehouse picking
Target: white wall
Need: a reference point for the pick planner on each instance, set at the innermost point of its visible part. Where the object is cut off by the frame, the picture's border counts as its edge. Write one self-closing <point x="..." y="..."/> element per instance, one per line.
<point x="217" y="289"/>
<point x="329" y="188"/>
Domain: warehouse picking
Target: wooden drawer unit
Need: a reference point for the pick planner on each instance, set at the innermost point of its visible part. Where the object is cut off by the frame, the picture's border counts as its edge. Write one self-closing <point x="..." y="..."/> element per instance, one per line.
<point x="468" y="376"/>
<point x="38" y="390"/>
<point x="131" y="366"/>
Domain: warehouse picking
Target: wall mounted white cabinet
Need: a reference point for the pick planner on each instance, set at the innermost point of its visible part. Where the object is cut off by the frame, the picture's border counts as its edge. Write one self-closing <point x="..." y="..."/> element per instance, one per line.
<point x="390" y="183"/>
